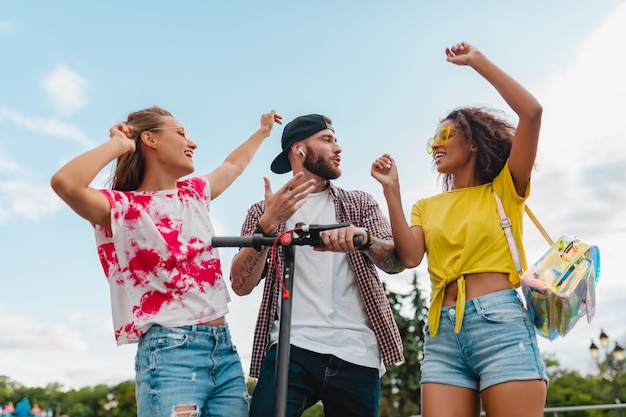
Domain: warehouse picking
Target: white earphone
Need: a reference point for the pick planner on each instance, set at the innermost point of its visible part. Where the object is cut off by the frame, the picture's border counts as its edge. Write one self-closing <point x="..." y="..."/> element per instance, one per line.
<point x="301" y="152"/>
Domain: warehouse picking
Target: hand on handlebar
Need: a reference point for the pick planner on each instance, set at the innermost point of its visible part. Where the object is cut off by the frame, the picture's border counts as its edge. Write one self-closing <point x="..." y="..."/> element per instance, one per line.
<point x="345" y="239"/>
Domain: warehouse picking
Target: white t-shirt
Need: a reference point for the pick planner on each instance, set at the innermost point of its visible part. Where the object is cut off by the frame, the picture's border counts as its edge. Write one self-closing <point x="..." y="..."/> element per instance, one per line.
<point x="328" y="314"/>
<point x="159" y="261"/>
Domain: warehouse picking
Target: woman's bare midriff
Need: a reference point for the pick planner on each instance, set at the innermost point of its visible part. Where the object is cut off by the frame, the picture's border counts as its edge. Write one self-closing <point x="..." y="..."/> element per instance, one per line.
<point x="217" y="322"/>
<point x="477" y="285"/>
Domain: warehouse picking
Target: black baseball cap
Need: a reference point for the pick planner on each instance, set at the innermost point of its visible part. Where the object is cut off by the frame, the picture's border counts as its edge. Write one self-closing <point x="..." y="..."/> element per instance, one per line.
<point x="298" y="129"/>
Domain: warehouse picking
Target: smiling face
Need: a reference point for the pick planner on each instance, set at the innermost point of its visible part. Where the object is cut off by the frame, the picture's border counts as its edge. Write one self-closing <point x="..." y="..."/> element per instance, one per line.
<point x="322" y="155"/>
<point x="451" y="151"/>
<point x="174" y="148"/>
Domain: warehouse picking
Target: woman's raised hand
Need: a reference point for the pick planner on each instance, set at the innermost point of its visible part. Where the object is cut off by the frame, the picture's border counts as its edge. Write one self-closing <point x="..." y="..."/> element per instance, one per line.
<point x="121" y="132"/>
<point x="462" y="54"/>
<point x="384" y="170"/>
<point x="268" y="120"/>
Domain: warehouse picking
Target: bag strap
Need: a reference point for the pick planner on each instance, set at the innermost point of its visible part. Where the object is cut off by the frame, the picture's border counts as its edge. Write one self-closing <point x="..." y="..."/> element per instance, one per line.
<point x="505" y="222"/>
<point x="538" y="226"/>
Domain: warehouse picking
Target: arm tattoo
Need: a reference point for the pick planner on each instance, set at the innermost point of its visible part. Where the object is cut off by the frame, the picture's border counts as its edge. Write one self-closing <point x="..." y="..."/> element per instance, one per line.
<point x="248" y="267"/>
<point x="383" y="254"/>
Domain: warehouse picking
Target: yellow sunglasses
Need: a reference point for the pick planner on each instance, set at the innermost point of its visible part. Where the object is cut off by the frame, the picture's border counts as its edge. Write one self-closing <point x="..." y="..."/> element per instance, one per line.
<point x="441" y="139"/>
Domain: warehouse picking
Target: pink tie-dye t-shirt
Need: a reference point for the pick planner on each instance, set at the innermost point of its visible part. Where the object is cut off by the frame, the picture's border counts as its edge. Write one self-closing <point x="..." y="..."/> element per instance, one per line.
<point x="159" y="261"/>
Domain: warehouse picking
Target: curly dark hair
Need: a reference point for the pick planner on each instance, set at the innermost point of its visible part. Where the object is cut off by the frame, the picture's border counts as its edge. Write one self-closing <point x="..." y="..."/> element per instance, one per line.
<point x="491" y="134"/>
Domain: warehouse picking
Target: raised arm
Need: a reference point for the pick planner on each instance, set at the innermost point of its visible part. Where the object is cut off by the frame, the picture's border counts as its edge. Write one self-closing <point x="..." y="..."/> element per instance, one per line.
<point x="233" y="166"/>
<point x="409" y="242"/>
<point x="72" y="181"/>
<point x="523" y="103"/>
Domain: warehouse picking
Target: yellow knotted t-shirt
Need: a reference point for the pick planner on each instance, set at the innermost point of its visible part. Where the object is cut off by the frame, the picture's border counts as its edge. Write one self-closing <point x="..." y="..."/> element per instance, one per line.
<point x="463" y="236"/>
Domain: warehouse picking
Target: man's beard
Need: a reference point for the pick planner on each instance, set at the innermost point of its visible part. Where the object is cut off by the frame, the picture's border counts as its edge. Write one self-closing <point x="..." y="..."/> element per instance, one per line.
<point x="321" y="168"/>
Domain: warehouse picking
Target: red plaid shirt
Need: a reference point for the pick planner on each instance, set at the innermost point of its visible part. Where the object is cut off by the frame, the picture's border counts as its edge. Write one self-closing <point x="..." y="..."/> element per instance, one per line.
<point x="360" y="209"/>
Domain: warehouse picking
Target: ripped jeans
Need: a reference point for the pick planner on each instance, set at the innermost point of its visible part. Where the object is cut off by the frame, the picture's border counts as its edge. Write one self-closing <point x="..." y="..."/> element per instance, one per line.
<point x="189" y="371"/>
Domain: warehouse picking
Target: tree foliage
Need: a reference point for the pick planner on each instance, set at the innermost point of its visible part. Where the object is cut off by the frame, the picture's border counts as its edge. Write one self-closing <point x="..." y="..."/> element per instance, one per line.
<point x="400" y="385"/>
<point x="84" y="402"/>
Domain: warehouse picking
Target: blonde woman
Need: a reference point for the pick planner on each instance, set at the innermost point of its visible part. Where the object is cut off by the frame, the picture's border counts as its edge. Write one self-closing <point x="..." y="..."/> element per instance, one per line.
<point x="153" y="235"/>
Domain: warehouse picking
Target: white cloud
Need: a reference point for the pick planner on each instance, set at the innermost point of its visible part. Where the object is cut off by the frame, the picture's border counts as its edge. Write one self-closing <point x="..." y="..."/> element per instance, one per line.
<point x="73" y="370"/>
<point x="21" y="197"/>
<point x="8" y="165"/>
<point x="27" y="334"/>
<point x="66" y="89"/>
<point x="26" y="199"/>
<point x="580" y="186"/>
<point x="583" y="104"/>
<point x="103" y="329"/>
<point x="37" y="353"/>
<point x="49" y="126"/>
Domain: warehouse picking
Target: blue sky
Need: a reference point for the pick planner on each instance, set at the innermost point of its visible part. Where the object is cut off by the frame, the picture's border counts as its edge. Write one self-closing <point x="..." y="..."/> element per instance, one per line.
<point x="69" y="70"/>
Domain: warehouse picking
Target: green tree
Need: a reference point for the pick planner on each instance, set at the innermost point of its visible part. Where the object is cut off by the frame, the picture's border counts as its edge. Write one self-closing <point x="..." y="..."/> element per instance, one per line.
<point x="568" y="388"/>
<point x="400" y="385"/>
<point x="87" y="401"/>
<point x="7" y="389"/>
<point x="125" y="395"/>
<point x="54" y="398"/>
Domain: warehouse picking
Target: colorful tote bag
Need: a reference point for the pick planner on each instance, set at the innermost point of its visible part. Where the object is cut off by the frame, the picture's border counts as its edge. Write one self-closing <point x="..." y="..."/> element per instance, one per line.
<point x="560" y="287"/>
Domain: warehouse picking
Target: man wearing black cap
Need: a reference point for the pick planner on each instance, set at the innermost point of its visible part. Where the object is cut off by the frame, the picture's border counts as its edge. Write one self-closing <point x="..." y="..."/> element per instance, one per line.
<point x="343" y="335"/>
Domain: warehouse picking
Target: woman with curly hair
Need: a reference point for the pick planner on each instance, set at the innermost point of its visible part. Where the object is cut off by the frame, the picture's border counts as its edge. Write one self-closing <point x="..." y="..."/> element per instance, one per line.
<point x="480" y="344"/>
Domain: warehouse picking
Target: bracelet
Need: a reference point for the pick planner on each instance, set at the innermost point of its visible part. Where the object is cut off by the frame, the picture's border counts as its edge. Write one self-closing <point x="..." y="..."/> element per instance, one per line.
<point x="259" y="230"/>
<point x="369" y="240"/>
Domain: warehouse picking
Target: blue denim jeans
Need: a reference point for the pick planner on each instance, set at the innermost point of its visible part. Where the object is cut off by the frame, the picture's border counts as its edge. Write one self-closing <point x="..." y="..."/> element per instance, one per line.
<point x="496" y="344"/>
<point x="345" y="389"/>
<point x="189" y="371"/>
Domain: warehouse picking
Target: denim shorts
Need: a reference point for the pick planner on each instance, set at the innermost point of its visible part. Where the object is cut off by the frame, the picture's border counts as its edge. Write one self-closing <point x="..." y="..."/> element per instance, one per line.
<point x="497" y="343"/>
<point x="195" y="367"/>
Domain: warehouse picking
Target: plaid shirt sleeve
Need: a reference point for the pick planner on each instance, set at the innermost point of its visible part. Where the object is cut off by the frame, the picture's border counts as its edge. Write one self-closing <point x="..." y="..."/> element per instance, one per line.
<point x="360" y="209"/>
